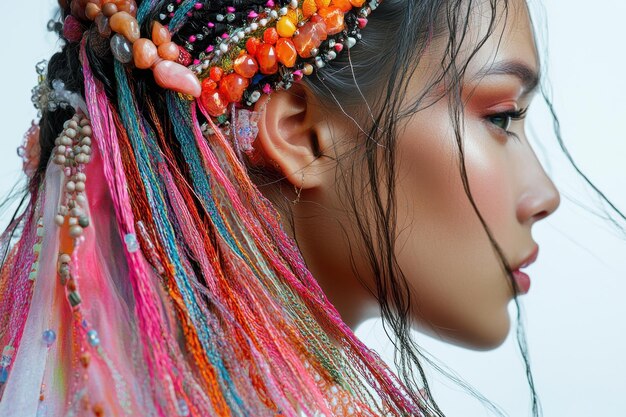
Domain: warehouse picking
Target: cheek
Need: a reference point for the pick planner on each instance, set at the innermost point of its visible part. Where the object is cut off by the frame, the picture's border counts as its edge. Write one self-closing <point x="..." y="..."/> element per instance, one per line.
<point x="443" y="249"/>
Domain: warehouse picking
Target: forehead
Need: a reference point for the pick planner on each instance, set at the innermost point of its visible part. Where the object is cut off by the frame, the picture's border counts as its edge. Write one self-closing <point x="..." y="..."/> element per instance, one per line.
<point x="512" y="37"/>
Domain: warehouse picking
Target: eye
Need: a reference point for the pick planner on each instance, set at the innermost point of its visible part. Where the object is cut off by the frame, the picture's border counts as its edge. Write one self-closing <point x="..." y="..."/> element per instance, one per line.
<point x="503" y="120"/>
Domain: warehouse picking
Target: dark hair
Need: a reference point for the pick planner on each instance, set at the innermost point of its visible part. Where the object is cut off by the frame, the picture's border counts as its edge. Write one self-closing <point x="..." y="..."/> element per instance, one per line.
<point x="348" y="82"/>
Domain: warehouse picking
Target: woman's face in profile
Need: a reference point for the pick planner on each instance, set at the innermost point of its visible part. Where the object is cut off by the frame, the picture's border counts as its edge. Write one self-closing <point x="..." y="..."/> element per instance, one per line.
<point x="459" y="285"/>
<point x="459" y="289"/>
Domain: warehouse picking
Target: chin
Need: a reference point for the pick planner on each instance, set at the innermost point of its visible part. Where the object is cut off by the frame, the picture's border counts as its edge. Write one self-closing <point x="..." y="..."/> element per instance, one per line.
<point x="489" y="336"/>
<point x="480" y="336"/>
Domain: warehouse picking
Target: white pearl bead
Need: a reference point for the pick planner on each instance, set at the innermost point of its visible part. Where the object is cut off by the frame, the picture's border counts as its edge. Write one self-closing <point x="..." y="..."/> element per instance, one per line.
<point x="71" y="133"/>
<point x="59" y="220"/>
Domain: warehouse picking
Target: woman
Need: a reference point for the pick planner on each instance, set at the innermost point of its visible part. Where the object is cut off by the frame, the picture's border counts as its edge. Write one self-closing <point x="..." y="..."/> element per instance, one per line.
<point x="220" y="191"/>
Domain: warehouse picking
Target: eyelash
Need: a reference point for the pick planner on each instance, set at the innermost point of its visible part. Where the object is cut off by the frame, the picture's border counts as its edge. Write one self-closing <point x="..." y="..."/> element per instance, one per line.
<point x="510" y="116"/>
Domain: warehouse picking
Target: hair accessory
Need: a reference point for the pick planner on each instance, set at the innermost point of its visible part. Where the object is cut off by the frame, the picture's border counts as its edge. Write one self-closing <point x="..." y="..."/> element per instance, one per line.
<point x="45" y="98"/>
<point x="238" y="54"/>
<point x="30" y="150"/>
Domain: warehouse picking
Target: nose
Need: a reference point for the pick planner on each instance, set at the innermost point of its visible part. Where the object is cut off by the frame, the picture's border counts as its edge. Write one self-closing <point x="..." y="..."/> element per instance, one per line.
<point x="539" y="198"/>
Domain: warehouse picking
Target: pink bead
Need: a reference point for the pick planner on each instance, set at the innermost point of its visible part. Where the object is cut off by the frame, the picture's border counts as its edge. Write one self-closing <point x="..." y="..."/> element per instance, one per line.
<point x="270" y="3"/>
<point x="196" y="61"/>
<point x="192" y="38"/>
<point x="338" y="47"/>
<point x="253" y="15"/>
<point x="210" y="48"/>
<point x="267" y="88"/>
<point x="224" y="35"/>
<point x="197" y="6"/>
<point x="230" y="9"/>
<point x="210" y="24"/>
<point x="173" y="76"/>
<point x="362" y="22"/>
<point x="297" y="75"/>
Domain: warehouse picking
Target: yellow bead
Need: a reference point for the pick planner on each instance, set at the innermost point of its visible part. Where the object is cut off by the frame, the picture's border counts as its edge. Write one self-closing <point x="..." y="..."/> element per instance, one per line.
<point x="285" y="27"/>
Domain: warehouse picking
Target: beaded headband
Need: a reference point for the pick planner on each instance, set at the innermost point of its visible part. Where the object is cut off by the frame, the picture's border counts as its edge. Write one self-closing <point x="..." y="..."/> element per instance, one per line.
<point x="241" y="50"/>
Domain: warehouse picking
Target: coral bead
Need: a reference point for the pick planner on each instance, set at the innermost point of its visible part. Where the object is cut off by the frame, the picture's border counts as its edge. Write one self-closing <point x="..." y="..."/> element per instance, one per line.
<point x="285" y="27"/>
<point x="252" y="45"/>
<point x="270" y="36"/>
<point x="268" y="61"/>
<point x="245" y="65"/>
<point x="286" y="52"/>
<point x="173" y="76"/>
<point x="333" y="18"/>
<point x="208" y="84"/>
<point x="160" y="34"/>
<point x="310" y="36"/>
<point x="214" y="103"/>
<point x="144" y="53"/>
<point x="169" y="51"/>
<point x="232" y="87"/>
<point x="216" y="73"/>
<point x="126" y="25"/>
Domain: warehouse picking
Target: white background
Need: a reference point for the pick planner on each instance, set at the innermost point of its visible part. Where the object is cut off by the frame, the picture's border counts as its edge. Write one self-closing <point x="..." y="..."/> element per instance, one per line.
<point x="575" y="311"/>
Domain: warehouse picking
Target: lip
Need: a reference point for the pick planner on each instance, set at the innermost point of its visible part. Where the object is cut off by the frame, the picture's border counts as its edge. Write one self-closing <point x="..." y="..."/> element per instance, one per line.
<point x="529" y="260"/>
<point x="522" y="280"/>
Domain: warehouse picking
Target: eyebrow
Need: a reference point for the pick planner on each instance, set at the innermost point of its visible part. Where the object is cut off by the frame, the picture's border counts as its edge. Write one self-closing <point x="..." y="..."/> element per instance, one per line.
<point x="528" y="76"/>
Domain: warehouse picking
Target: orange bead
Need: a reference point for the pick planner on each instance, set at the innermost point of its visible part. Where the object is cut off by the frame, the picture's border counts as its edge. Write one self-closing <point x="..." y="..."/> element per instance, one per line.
<point x="270" y="36"/>
<point x="92" y="10"/>
<point x="144" y="53"/>
<point x="286" y="52"/>
<point x="213" y="101"/>
<point x="66" y="242"/>
<point x="160" y="34"/>
<point x="268" y="61"/>
<point x="128" y="6"/>
<point x="169" y="51"/>
<point x="309" y="8"/>
<point x="216" y="73"/>
<point x="322" y="3"/>
<point x="333" y="17"/>
<point x="245" y="65"/>
<point x="310" y="36"/>
<point x="232" y="87"/>
<point x="109" y="9"/>
<point x="285" y="27"/>
<point x="252" y="45"/>
<point x="357" y="3"/>
<point x="209" y="84"/>
<point x="344" y="5"/>
<point x="126" y="25"/>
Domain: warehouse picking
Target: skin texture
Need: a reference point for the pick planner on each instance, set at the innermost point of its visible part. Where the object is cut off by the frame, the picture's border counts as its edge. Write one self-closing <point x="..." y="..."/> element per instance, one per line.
<point x="459" y="290"/>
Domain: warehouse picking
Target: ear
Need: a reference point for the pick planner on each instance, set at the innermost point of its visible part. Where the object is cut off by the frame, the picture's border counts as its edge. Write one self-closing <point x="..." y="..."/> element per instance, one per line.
<point x="292" y="135"/>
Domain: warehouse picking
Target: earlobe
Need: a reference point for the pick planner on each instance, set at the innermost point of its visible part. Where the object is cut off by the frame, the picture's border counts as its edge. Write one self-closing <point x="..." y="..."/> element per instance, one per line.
<point x="288" y="136"/>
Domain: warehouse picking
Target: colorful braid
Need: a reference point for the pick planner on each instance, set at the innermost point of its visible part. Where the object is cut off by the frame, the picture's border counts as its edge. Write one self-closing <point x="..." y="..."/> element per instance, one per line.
<point x="151" y="276"/>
